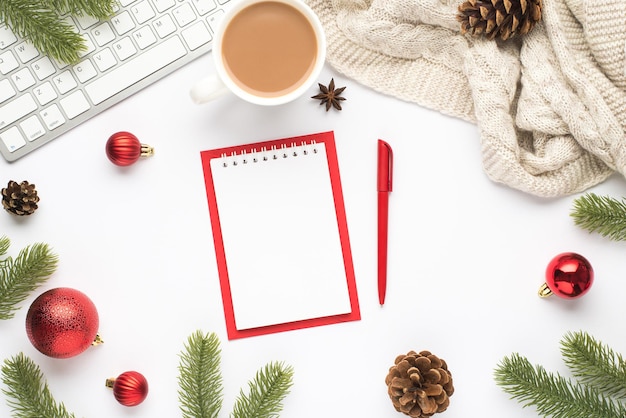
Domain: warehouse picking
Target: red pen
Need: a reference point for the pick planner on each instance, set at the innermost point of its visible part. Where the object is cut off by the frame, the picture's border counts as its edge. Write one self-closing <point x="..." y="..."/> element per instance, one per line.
<point x="385" y="169"/>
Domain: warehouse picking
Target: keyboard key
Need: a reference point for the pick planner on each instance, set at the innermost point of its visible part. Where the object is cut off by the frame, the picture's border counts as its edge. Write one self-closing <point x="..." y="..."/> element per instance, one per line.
<point x="7" y="37"/>
<point x="52" y="117"/>
<point x="16" y="109"/>
<point x="85" y="71"/>
<point x="32" y="128"/>
<point x="135" y="70"/>
<point x="12" y="139"/>
<point x="142" y="11"/>
<point x="85" y="21"/>
<point x="197" y="35"/>
<point x="64" y="82"/>
<point x="104" y="59"/>
<point x="23" y="79"/>
<point x="163" y="5"/>
<point x="6" y="90"/>
<point x="26" y="51"/>
<point x="74" y="104"/>
<point x="214" y="19"/>
<point x="123" y="23"/>
<point x="184" y="15"/>
<point x="89" y="45"/>
<point x="103" y="34"/>
<point x="164" y="26"/>
<point x="45" y="93"/>
<point x="124" y="49"/>
<point x="8" y="62"/>
<point x="204" y="6"/>
<point x="144" y="37"/>
<point x="43" y="68"/>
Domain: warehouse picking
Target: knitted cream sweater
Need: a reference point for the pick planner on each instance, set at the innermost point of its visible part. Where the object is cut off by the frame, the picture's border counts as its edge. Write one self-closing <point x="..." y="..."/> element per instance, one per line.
<point x="550" y="106"/>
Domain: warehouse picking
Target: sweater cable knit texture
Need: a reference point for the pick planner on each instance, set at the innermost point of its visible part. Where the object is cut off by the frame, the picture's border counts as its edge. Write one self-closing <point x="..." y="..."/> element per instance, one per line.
<point x="550" y="106"/>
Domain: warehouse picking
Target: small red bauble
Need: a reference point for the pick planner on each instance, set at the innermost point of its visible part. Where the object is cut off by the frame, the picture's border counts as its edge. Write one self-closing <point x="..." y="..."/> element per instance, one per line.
<point x="62" y="323"/>
<point x="129" y="388"/>
<point x="123" y="148"/>
<point x="568" y="275"/>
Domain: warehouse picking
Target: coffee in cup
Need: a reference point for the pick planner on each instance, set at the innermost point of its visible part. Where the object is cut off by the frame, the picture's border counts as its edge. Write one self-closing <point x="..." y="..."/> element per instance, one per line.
<point x="266" y="52"/>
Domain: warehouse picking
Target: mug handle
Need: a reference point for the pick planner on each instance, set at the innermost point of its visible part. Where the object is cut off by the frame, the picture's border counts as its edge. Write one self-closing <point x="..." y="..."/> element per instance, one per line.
<point x="207" y="89"/>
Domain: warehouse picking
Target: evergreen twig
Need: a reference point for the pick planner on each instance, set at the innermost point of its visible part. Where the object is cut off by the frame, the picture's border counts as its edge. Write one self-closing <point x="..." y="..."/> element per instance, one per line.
<point x="595" y="364"/>
<point x="267" y="390"/>
<point x="43" y="28"/>
<point x="601" y="214"/>
<point x="5" y="243"/>
<point x="28" y="392"/>
<point x="200" y="380"/>
<point x="100" y="9"/>
<point x="39" y="22"/>
<point x="552" y="394"/>
<point x="22" y="275"/>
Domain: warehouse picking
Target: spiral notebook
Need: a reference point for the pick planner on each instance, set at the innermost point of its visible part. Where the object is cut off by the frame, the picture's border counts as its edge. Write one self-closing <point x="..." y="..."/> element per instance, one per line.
<point x="281" y="236"/>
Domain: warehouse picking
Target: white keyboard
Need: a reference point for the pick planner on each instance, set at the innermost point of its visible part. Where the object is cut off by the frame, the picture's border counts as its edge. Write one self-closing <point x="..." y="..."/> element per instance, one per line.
<point x="145" y="40"/>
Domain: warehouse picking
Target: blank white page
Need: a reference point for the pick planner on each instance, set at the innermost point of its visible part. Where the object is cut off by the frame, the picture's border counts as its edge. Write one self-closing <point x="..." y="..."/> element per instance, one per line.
<point x="281" y="237"/>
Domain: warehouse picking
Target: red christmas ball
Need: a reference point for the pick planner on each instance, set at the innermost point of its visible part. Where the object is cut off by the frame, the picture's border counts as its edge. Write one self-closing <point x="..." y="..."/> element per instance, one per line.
<point x="123" y="149"/>
<point x="129" y="388"/>
<point x="569" y="275"/>
<point x="62" y="322"/>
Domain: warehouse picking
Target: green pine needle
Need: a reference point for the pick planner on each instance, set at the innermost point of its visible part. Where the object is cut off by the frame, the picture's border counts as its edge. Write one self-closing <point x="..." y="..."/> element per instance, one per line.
<point x="200" y="380"/>
<point x="39" y="22"/>
<point x="100" y="9"/>
<point x="28" y="392"/>
<point x="22" y="275"/>
<point x="551" y="394"/>
<point x="5" y="243"/>
<point x="43" y="28"/>
<point x="595" y="364"/>
<point x="269" y="387"/>
<point x="601" y="214"/>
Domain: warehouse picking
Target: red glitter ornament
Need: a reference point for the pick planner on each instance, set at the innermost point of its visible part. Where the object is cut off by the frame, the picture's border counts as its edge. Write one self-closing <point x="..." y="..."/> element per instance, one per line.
<point x="568" y="275"/>
<point x="129" y="388"/>
<point x="62" y="323"/>
<point x="123" y="148"/>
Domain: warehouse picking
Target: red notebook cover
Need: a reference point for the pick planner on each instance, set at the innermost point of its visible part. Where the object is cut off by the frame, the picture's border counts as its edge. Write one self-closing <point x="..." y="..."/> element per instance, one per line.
<point x="275" y="154"/>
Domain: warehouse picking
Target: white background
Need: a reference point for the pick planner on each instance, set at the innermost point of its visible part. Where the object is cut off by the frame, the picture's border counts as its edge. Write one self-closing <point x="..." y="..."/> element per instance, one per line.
<point x="466" y="256"/>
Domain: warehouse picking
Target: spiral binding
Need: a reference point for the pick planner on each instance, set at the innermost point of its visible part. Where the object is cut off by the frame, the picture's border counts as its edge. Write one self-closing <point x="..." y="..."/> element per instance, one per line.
<point x="266" y="154"/>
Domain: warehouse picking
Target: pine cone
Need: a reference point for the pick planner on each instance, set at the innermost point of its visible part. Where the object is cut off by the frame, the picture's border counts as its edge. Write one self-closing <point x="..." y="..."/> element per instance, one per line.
<point x="500" y="19"/>
<point x="419" y="385"/>
<point x="20" y="199"/>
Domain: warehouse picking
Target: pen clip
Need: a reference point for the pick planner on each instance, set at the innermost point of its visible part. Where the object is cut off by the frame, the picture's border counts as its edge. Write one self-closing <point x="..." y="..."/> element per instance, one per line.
<point x="385" y="167"/>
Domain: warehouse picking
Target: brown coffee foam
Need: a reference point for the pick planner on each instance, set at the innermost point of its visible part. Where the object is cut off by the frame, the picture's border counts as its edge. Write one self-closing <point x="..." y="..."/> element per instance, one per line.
<point x="269" y="49"/>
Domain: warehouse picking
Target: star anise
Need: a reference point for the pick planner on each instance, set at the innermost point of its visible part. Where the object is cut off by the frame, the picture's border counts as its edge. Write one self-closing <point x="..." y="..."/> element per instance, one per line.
<point x="330" y="95"/>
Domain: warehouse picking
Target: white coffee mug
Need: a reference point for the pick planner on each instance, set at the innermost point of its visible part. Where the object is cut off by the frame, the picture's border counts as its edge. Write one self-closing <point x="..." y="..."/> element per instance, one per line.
<point x="267" y="52"/>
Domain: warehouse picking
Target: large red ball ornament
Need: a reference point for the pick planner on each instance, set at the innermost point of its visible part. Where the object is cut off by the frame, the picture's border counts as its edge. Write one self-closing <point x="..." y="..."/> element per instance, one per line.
<point x="123" y="148"/>
<point x="62" y="323"/>
<point x="568" y="275"/>
<point x="129" y="388"/>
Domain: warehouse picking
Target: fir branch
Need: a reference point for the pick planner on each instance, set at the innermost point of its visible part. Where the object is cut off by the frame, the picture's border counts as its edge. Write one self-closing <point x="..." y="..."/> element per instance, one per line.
<point x="200" y="380"/>
<point x="18" y="278"/>
<point x="43" y="28"/>
<point x="28" y="392"/>
<point x="601" y="214"/>
<point x="269" y="387"/>
<point x="551" y="394"/>
<point x="595" y="364"/>
<point x="5" y="243"/>
<point x="100" y="9"/>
